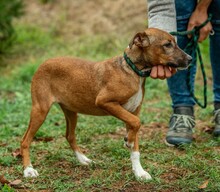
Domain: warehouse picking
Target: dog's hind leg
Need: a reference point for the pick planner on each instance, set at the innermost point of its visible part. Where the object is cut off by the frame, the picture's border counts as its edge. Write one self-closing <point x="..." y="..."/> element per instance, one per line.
<point x="38" y="115"/>
<point x="42" y="99"/>
<point x="71" y="120"/>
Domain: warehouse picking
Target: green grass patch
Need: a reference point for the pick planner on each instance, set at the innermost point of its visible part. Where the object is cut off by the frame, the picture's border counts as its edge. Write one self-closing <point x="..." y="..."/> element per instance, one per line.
<point x="100" y="137"/>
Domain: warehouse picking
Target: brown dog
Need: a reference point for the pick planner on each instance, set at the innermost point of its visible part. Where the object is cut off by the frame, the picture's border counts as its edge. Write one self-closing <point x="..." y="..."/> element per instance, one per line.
<point x="110" y="87"/>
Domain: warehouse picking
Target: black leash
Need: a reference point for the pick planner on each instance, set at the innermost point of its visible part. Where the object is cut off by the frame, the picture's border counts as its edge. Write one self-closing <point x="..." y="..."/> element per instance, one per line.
<point x="192" y="48"/>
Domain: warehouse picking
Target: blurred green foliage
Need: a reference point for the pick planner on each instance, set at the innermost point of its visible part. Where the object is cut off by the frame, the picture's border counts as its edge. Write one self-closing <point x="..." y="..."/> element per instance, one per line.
<point x="46" y="1"/>
<point x="8" y="10"/>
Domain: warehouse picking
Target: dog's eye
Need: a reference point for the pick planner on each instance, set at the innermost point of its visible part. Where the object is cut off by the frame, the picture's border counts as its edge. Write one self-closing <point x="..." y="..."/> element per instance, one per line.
<point x="168" y="45"/>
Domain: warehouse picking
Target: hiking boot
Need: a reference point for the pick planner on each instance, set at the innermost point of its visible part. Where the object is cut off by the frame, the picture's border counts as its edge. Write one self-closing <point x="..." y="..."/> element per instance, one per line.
<point x="181" y="126"/>
<point x="216" y="131"/>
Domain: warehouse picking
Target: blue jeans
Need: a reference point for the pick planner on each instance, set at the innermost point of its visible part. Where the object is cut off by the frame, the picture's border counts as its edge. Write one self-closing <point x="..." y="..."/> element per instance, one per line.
<point x="178" y="83"/>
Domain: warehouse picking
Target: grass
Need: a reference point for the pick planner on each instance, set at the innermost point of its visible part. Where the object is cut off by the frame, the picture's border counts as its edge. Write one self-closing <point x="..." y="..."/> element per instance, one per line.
<point x="101" y="138"/>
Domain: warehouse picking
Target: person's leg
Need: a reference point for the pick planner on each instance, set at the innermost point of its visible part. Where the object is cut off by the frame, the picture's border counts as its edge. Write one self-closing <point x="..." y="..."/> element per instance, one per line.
<point x="182" y="120"/>
<point x="178" y="84"/>
<point x="215" y="62"/>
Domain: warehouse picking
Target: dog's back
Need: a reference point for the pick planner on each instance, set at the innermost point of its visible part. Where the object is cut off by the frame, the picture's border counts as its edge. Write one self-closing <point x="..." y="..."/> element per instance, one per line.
<point x="74" y="83"/>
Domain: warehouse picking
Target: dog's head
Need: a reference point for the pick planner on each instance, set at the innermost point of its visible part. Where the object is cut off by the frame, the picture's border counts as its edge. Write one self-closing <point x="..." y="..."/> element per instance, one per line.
<point x="157" y="47"/>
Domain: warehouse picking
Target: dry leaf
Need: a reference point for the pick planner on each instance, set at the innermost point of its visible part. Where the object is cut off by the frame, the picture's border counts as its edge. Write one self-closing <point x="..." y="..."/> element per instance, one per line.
<point x="16" y="153"/>
<point x="204" y="185"/>
<point x="45" y="139"/>
<point x="15" y="182"/>
<point x="208" y="129"/>
<point x="3" y="144"/>
<point x="3" y="180"/>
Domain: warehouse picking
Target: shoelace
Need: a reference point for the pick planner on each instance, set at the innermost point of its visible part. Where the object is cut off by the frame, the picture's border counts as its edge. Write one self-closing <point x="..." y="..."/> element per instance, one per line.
<point x="186" y="120"/>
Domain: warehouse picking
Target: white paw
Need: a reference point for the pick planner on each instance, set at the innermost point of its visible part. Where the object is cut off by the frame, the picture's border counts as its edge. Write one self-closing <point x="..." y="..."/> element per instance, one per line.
<point x="30" y="172"/>
<point x="142" y="175"/>
<point x="137" y="168"/>
<point x="82" y="158"/>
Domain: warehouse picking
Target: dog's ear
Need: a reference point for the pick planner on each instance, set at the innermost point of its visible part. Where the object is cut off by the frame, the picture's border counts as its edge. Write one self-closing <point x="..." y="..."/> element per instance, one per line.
<point x="140" y="39"/>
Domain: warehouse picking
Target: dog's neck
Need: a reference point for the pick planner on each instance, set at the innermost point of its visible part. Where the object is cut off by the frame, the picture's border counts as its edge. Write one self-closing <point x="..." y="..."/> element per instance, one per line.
<point x="137" y="63"/>
<point x="138" y="58"/>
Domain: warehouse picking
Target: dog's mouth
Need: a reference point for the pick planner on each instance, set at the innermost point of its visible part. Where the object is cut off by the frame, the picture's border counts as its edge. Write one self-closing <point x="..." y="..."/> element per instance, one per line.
<point x="176" y="66"/>
<point x="146" y="68"/>
<point x="173" y="65"/>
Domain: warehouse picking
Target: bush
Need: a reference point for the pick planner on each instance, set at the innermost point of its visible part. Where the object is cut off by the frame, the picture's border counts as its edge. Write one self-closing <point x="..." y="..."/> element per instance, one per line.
<point x="8" y="10"/>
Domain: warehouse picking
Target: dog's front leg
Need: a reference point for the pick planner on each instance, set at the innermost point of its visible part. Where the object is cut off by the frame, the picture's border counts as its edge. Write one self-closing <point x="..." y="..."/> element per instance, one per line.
<point x="135" y="159"/>
<point x="116" y="110"/>
<point x="133" y="122"/>
<point x="139" y="172"/>
<point x="135" y="154"/>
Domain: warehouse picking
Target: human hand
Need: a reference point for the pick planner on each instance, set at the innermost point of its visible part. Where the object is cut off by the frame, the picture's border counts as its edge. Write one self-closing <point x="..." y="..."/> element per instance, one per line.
<point x="197" y="18"/>
<point x="162" y="72"/>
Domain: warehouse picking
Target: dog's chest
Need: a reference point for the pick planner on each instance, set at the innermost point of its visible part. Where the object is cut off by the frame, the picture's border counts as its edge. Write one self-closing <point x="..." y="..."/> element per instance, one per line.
<point x="135" y="100"/>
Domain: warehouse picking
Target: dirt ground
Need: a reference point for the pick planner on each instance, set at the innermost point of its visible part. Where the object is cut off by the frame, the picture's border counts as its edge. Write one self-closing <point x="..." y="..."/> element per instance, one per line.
<point x="71" y="18"/>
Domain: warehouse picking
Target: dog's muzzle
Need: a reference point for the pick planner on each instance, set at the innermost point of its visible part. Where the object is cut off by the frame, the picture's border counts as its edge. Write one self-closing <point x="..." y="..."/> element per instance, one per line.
<point x="181" y="64"/>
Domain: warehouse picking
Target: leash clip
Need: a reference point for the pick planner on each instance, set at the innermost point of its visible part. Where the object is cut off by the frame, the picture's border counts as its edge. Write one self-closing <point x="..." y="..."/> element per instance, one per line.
<point x="212" y="32"/>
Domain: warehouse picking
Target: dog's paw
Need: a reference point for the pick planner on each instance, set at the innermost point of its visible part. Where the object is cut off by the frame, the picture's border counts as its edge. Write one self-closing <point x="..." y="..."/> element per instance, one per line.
<point x="30" y="172"/>
<point x="139" y="172"/>
<point x="82" y="158"/>
<point x="142" y="175"/>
